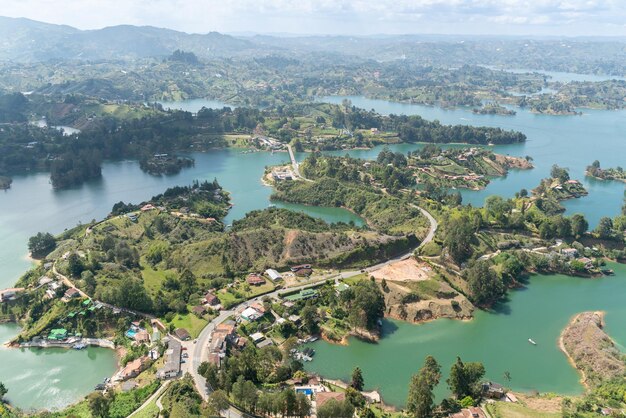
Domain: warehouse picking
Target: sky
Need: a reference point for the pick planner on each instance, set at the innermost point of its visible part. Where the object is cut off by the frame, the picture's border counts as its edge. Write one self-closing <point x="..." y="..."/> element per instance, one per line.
<point x="345" y="17"/>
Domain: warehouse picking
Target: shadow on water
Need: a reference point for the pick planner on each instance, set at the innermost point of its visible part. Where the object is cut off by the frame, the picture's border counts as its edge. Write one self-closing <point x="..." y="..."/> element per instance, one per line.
<point x="389" y="328"/>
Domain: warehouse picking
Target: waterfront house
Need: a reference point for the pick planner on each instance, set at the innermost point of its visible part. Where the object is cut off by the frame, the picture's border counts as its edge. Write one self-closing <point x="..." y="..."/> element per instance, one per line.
<point x="58" y="334"/>
<point x="273" y="275"/>
<point x="255" y="279"/>
<point x="142" y="337"/>
<point x="10" y="294"/>
<point x="493" y="390"/>
<point x="182" y="334"/>
<point x="587" y="262"/>
<point x="570" y="252"/>
<point x="133" y="368"/>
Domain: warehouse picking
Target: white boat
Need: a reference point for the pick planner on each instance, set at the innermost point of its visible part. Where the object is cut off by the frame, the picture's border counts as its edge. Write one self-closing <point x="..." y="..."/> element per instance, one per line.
<point x="530" y="340"/>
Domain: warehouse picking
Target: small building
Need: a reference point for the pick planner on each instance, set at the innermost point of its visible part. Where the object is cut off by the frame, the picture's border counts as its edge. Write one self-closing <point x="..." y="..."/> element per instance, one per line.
<point x="257" y="337"/>
<point x="141" y="337"/>
<point x="147" y="207"/>
<point x="301" y="267"/>
<point x="198" y="310"/>
<point x="72" y="293"/>
<point x="133" y="368"/>
<point x="295" y="319"/>
<point x="273" y="275"/>
<point x="255" y="279"/>
<point x="44" y="280"/>
<point x="182" y="334"/>
<point x="251" y="314"/>
<point x="473" y="412"/>
<point x="10" y="294"/>
<point x="154" y="354"/>
<point x="265" y="343"/>
<point x="58" y="334"/>
<point x="132" y="217"/>
<point x="341" y="287"/>
<point x="570" y="252"/>
<point x="587" y="262"/>
<point x="211" y="300"/>
<point x="493" y="390"/>
<point x="302" y="295"/>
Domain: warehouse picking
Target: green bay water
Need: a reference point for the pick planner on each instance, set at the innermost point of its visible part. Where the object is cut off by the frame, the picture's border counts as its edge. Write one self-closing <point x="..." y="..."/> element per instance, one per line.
<point x="500" y="340"/>
<point x="51" y="378"/>
<point x="570" y="141"/>
<point x="56" y="378"/>
<point x="31" y="205"/>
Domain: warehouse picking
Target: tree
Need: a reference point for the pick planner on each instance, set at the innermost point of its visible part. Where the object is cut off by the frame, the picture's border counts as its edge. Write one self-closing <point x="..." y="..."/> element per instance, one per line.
<point x="484" y="284"/>
<point x="465" y="378"/>
<point x="560" y="173"/>
<point x="335" y="409"/>
<point x="357" y="379"/>
<point x="75" y="265"/>
<point x="367" y="305"/>
<point x="579" y="225"/>
<point x="218" y="401"/>
<point x="420" y="401"/>
<point x="3" y="390"/>
<point x="41" y="245"/>
<point x="605" y="228"/>
<point x="309" y="319"/>
<point x="99" y="405"/>
<point x="458" y="237"/>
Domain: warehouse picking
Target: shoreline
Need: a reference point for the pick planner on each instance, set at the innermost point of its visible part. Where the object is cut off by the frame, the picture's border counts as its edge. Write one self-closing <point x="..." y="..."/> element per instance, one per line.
<point x="570" y="360"/>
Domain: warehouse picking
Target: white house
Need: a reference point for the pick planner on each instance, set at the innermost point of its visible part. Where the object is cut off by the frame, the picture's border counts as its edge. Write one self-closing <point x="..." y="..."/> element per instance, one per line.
<point x="273" y="275"/>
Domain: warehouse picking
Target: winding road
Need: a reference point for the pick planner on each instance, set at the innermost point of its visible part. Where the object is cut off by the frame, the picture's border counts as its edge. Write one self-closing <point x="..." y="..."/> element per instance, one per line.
<point x="200" y="347"/>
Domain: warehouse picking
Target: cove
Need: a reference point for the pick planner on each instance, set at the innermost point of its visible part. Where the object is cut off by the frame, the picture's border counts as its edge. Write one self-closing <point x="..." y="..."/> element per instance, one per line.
<point x="51" y="378"/>
<point x="569" y="141"/>
<point x="498" y="339"/>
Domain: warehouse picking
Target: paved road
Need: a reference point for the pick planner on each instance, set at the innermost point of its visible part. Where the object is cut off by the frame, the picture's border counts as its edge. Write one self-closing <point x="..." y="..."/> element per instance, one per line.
<point x="199" y="350"/>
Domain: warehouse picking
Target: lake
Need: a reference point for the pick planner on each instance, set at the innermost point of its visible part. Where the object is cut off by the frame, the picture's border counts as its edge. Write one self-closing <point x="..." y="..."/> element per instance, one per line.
<point x="500" y="340"/>
<point x="31" y="205"/>
<point x="51" y="378"/>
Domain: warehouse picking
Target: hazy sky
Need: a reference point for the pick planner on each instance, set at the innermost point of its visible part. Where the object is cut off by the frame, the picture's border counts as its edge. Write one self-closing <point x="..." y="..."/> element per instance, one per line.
<point x="514" y="17"/>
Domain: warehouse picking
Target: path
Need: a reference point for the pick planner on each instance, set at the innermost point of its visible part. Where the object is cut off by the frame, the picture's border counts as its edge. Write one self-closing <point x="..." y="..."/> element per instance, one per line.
<point x="156" y="394"/>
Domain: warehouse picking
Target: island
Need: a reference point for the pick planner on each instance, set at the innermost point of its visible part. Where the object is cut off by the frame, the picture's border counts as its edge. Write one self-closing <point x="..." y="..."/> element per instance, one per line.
<point x="594" y="170"/>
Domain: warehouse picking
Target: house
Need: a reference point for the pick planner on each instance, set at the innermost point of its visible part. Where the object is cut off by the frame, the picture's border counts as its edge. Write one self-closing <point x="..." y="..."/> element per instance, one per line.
<point x="265" y="343"/>
<point x="301" y="267"/>
<point x="322" y="397"/>
<point x="295" y="319"/>
<point x="211" y="300"/>
<point x="257" y="337"/>
<point x="341" y="287"/>
<point x="302" y="295"/>
<point x="251" y="314"/>
<point x="133" y="368"/>
<point x="198" y="310"/>
<point x="587" y="262"/>
<point x="154" y="354"/>
<point x="182" y="334"/>
<point x="142" y="337"/>
<point x="132" y="217"/>
<point x="304" y="272"/>
<point x="227" y="329"/>
<point x="473" y="412"/>
<point x="258" y="307"/>
<point x="72" y="293"/>
<point x="273" y="275"/>
<point x="147" y="207"/>
<point x="44" y="280"/>
<point x="10" y="294"/>
<point x="570" y="252"/>
<point x="493" y="390"/>
<point x="172" y="361"/>
<point x="255" y="279"/>
<point x="57" y="334"/>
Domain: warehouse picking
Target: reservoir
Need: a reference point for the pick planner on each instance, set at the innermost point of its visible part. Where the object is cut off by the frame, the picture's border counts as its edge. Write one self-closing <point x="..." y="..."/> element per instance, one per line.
<point x="55" y="378"/>
<point x="498" y="339"/>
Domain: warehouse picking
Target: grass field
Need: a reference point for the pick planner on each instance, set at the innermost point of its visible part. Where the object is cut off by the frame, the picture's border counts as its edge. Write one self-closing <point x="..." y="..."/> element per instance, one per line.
<point x="190" y="322"/>
<point x="516" y="410"/>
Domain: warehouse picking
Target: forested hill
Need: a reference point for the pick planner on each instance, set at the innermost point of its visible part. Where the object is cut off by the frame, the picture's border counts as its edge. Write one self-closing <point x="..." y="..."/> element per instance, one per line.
<point x="25" y="40"/>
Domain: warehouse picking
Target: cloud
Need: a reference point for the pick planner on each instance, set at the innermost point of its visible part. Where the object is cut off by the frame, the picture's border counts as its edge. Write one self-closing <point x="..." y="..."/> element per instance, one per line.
<point x="566" y="17"/>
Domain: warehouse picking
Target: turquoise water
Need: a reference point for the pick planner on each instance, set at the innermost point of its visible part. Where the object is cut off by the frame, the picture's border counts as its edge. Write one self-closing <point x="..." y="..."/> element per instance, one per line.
<point x="570" y="141"/>
<point x="499" y="339"/>
<point x="540" y="311"/>
<point x="54" y="377"/>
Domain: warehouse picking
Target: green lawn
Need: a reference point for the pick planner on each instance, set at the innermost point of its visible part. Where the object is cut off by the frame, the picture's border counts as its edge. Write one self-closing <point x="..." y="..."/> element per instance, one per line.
<point x="516" y="410"/>
<point x="190" y="322"/>
<point x="152" y="279"/>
